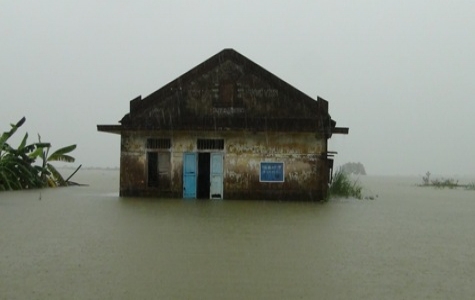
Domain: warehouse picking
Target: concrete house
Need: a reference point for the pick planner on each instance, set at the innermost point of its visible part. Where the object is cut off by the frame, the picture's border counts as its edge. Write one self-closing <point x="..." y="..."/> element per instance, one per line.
<point x="226" y="129"/>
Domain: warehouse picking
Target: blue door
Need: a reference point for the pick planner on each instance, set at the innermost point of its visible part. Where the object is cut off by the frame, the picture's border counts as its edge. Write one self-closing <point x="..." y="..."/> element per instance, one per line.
<point x="189" y="175"/>
<point x="216" y="176"/>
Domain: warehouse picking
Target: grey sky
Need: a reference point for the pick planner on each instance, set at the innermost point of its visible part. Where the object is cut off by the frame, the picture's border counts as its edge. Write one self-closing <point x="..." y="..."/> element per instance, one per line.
<point x="398" y="73"/>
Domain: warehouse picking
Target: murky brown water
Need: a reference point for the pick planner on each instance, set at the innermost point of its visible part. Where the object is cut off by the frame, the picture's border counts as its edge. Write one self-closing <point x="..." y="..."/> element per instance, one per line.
<point x="87" y="243"/>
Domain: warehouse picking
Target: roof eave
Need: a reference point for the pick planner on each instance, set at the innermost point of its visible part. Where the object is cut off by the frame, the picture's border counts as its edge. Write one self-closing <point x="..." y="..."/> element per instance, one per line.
<point x="340" y="130"/>
<point x="116" y="129"/>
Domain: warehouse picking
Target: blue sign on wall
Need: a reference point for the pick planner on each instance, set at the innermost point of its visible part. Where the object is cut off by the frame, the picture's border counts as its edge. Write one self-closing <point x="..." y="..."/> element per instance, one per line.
<point x="272" y="172"/>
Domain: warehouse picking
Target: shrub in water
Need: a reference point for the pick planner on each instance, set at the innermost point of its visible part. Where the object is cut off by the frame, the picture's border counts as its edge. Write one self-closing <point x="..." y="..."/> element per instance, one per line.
<point x="343" y="186"/>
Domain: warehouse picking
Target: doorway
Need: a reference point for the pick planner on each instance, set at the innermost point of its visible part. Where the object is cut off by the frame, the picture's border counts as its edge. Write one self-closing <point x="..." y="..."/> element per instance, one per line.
<point x="204" y="182"/>
<point x="203" y="175"/>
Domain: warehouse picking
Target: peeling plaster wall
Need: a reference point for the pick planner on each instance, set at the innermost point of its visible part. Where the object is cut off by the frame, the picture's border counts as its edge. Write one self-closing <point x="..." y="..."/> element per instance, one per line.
<point x="132" y="165"/>
<point x="305" y="172"/>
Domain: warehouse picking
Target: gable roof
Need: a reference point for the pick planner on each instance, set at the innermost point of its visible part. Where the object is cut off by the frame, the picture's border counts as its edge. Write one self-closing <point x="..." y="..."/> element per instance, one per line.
<point x="168" y="108"/>
<point x="206" y="66"/>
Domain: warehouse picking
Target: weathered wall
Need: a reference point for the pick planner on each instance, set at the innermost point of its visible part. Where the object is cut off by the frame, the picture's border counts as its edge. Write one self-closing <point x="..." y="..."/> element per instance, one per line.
<point x="305" y="169"/>
<point x="132" y="165"/>
<point x="300" y="153"/>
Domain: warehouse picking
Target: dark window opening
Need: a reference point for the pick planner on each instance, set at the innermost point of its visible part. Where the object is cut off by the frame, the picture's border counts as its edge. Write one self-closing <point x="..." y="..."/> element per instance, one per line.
<point x="158" y="168"/>
<point x="159" y="143"/>
<point x="152" y="158"/>
<point x="210" y="144"/>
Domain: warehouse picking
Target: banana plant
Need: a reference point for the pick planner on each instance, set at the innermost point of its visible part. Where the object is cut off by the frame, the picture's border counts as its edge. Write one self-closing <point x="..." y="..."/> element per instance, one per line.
<point x="16" y="166"/>
<point x="50" y="174"/>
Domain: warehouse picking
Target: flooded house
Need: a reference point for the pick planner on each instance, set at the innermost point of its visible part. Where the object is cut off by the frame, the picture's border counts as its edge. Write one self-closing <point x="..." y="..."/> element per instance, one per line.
<point x="226" y="129"/>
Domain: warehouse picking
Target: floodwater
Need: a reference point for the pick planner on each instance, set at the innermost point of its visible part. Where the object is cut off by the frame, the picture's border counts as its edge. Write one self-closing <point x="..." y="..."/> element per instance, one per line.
<point x="87" y="243"/>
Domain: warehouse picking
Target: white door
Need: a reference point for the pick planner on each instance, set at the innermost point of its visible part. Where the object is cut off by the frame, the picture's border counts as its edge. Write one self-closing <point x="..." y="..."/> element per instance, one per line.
<point x="216" y="176"/>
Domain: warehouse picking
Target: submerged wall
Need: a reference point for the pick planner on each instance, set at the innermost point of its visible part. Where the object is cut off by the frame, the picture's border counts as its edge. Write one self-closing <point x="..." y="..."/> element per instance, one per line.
<point x="302" y="155"/>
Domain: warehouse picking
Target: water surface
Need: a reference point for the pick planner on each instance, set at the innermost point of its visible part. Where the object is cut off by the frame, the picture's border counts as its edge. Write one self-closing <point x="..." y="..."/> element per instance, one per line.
<point x="87" y="243"/>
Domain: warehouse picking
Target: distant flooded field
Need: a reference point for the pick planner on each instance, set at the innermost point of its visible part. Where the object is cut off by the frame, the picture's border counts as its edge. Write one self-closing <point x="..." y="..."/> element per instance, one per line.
<point x="87" y="243"/>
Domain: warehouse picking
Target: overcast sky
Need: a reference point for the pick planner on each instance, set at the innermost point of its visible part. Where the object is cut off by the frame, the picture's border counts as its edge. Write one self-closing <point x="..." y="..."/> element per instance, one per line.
<point x="399" y="73"/>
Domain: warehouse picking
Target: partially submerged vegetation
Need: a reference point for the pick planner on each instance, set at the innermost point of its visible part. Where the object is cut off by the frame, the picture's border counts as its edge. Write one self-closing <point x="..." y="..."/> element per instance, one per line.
<point x="343" y="186"/>
<point x="470" y="186"/>
<point x="442" y="183"/>
<point x="19" y="168"/>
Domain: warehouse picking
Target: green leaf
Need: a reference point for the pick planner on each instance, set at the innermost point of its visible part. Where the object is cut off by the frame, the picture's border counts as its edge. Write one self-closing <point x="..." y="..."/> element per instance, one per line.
<point x="6" y="181"/>
<point x="63" y="150"/>
<point x="6" y="135"/>
<point x="10" y="177"/>
<point x="59" y="155"/>
<point x="19" y="123"/>
<point x="65" y="158"/>
<point x="55" y="175"/>
<point x="36" y="153"/>
<point x="23" y="142"/>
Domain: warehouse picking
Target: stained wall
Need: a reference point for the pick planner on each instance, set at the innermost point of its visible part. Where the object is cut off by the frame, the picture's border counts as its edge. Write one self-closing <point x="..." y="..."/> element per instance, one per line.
<point x="303" y="155"/>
